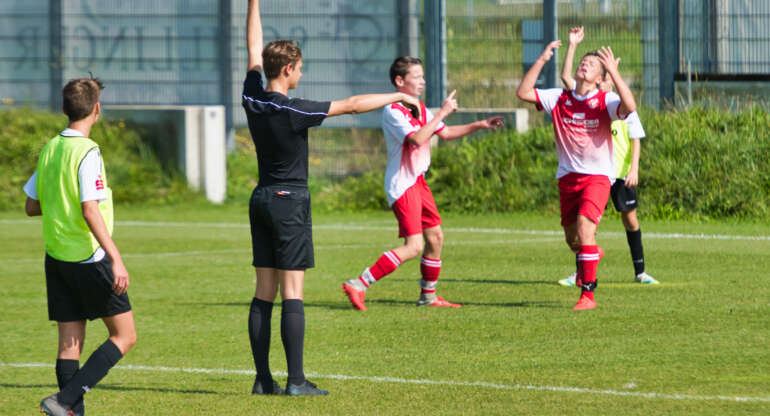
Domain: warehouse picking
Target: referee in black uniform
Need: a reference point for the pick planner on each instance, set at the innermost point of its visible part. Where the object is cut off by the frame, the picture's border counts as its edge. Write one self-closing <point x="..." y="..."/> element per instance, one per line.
<point x="279" y="209"/>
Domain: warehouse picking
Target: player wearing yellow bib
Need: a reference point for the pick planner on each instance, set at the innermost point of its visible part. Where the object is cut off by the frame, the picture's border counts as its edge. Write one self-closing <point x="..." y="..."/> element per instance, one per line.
<point x="626" y="148"/>
<point x="85" y="275"/>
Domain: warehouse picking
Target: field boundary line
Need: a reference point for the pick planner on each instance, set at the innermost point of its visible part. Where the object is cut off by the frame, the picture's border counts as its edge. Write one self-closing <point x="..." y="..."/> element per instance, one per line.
<point x="397" y="380"/>
<point x="480" y="230"/>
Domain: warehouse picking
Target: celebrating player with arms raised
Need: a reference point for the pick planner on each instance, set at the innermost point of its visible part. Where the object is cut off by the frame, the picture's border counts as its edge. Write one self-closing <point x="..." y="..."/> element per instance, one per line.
<point x="581" y="123"/>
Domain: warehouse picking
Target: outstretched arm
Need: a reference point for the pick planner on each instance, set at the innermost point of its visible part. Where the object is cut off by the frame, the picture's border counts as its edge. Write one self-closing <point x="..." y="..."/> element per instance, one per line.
<point x="367" y="102"/>
<point x="627" y="103"/>
<point x="526" y="91"/>
<point x="254" y="37"/>
<point x="575" y="37"/>
<point x="456" y="132"/>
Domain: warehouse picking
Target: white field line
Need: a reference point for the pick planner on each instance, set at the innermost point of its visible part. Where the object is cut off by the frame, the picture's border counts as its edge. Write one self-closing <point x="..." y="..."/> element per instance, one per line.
<point x="317" y="247"/>
<point x="397" y="380"/>
<point x="480" y="230"/>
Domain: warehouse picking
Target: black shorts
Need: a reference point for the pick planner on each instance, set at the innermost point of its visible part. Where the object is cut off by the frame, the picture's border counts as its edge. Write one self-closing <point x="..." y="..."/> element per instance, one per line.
<point x="281" y="227"/>
<point x="622" y="197"/>
<point x="78" y="291"/>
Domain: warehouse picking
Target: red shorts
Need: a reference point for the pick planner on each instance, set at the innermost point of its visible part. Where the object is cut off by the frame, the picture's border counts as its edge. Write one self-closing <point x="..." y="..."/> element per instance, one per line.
<point x="585" y="195"/>
<point x="416" y="209"/>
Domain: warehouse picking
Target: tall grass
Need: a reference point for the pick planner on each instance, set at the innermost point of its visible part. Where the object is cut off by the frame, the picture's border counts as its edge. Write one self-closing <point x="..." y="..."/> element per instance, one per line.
<point x="699" y="163"/>
<point x="133" y="171"/>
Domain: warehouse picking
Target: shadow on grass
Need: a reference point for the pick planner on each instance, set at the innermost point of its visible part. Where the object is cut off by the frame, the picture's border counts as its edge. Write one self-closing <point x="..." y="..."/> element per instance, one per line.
<point x="110" y="387"/>
<point x="344" y="305"/>
<point x="504" y="282"/>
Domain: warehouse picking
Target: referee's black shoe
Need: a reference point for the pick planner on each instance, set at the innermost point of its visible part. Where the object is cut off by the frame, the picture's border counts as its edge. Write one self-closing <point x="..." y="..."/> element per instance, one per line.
<point x="305" y="389"/>
<point x="266" y="387"/>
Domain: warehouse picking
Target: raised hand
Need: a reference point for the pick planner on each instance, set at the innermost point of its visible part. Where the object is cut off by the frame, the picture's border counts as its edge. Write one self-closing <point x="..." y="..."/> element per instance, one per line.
<point x="576" y="35"/>
<point x="450" y="104"/>
<point x="608" y="60"/>
<point x="548" y="51"/>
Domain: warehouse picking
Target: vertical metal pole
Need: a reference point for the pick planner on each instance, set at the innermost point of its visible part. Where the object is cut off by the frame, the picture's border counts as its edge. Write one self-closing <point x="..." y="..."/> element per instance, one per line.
<point x="409" y="40"/>
<point x="550" y="33"/>
<point x="435" y="51"/>
<point x="226" y="69"/>
<point x="668" y="26"/>
<point x="55" y="54"/>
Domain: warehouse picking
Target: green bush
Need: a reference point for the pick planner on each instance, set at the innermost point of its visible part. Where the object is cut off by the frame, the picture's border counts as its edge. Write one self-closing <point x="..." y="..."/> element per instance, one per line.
<point x="133" y="171"/>
<point x="699" y="163"/>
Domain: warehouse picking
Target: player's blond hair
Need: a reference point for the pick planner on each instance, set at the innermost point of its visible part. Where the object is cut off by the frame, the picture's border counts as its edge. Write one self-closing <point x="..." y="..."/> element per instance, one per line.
<point x="277" y="54"/>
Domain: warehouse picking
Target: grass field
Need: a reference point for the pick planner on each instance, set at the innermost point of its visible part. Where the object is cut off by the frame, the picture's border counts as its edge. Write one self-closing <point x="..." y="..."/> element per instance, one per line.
<point x="696" y="344"/>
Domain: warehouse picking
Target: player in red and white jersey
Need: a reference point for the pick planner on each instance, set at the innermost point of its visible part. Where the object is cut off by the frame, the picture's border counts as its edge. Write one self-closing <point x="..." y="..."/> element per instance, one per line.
<point x="581" y="123"/>
<point x="407" y="134"/>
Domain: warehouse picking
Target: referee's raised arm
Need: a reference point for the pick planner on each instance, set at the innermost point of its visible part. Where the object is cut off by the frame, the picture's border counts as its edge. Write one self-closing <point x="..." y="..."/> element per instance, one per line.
<point x="254" y="37"/>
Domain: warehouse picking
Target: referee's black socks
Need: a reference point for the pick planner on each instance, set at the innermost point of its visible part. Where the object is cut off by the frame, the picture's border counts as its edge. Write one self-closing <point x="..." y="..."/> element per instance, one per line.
<point x="97" y="366"/>
<point x="293" y="337"/>
<point x="259" y="334"/>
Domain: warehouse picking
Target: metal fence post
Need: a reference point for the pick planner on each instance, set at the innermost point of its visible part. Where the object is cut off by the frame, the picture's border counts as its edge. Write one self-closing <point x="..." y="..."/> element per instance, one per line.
<point x="409" y="38"/>
<point x="668" y="26"/>
<point x="55" y="54"/>
<point x="550" y="33"/>
<point x="435" y="51"/>
<point x="226" y="69"/>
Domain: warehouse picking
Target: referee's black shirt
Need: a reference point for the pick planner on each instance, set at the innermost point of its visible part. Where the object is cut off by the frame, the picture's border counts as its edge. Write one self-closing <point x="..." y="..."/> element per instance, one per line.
<point x="278" y="126"/>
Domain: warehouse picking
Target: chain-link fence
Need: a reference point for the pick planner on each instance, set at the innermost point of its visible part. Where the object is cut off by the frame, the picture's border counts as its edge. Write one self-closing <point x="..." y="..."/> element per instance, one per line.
<point x="192" y="52"/>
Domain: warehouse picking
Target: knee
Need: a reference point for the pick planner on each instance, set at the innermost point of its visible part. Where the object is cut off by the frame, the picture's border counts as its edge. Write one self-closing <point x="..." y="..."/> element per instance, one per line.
<point x="629" y="221"/>
<point x="573" y="242"/>
<point x="436" y="241"/>
<point x="414" y="248"/>
<point x="128" y="340"/>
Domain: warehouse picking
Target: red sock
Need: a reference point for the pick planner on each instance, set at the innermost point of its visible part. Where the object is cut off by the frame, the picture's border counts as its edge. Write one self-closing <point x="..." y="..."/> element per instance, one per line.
<point x="588" y="261"/>
<point x="430" y="269"/>
<point x="386" y="264"/>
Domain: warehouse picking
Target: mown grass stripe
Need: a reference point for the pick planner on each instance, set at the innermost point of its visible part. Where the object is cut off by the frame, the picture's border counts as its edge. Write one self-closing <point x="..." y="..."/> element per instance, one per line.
<point x="480" y="230"/>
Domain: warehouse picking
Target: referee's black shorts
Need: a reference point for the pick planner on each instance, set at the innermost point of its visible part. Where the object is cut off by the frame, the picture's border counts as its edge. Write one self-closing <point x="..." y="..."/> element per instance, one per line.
<point x="623" y="198"/>
<point x="79" y="291"/>
<point x="281" y="227"/>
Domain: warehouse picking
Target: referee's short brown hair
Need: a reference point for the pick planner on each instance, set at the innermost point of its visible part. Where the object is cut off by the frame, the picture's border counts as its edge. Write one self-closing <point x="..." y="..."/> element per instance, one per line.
<point x="277" y="54"/>
<point x="80" y="95"/>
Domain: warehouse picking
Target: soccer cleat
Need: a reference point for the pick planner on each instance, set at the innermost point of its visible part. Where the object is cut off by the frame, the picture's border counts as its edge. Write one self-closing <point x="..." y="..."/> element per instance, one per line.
<point x="646" y="279"/>
<point x="569" y="280"/>
<point x="305" y="389"/>
<point x="271" y="387"/>
<point x="436" y="301"/>
<point x="51" y="406"/>
<point x="584" y="303"/>
<point x="355" y="295"/>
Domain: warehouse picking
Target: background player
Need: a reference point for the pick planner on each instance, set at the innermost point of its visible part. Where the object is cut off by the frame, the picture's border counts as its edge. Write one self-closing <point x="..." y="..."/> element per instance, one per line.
<point x="279" y="210"/>
<point x="85" y="275"/>
<point x="581" y="122"/>
<point x="408" y="139"/>
<point x="625" y="134"/>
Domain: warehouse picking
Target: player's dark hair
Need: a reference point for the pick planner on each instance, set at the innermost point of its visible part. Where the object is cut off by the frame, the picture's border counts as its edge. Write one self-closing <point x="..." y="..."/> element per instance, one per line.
<point x="400" y="67"/>
<point x="79" y="97"/>
<point x="277" y="54"/>
<point x="596" y="54"/>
